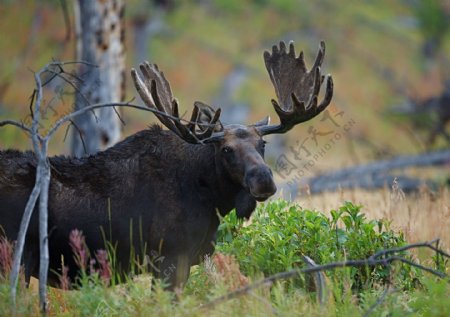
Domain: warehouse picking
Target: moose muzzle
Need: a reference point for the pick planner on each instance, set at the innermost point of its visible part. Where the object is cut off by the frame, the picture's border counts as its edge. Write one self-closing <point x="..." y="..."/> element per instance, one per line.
<point x="259" y="181"/>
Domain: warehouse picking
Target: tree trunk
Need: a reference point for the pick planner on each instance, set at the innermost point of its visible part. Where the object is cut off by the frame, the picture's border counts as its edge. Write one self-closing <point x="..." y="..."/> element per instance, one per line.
<point x="369" y="176"/>
<point x="378" y="174"/>
<point x="100" y="41"/>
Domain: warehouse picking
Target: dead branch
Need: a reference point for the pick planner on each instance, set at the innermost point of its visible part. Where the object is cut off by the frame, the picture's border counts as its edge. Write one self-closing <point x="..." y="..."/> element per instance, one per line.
<point x="372" y="261"/>
<point x="376" y="174"/>
<point x="14" y="277"/>
<point x="17" y="124"/>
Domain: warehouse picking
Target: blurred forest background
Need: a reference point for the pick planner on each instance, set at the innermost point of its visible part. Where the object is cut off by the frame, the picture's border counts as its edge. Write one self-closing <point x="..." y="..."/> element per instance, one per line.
<point x="389" y="59"/>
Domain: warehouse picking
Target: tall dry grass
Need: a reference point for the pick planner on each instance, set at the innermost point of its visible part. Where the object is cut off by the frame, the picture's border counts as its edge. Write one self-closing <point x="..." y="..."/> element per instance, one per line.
<point x="421" y="216"/>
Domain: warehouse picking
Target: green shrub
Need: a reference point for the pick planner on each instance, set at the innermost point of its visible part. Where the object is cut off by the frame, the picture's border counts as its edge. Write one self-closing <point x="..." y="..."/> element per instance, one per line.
<point x="281" y="233"/>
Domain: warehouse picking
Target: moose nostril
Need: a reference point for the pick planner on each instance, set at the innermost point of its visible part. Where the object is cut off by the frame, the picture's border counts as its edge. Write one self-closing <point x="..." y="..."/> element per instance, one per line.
<point x="260" y="182"/>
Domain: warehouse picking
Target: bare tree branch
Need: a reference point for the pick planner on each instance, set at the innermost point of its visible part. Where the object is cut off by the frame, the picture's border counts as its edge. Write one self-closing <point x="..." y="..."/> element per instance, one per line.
<point x="75" y="87"/>
<point x="79" y="132"/>
<point x="43" y="231"/>
<point x="369" y="262"/>
<point x="43" y="173"/>
<point x="74" y="114"/>
<point x="20" y="125"/>
<point x="428" y="245"/>
<point x="21" y="238"/>
<point x="119" y="116"/>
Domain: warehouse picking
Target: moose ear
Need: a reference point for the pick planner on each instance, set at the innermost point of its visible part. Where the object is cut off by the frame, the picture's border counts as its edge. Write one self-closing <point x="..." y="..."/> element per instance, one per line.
<point x="245" y="204"/>
<point x="263" y="122"/>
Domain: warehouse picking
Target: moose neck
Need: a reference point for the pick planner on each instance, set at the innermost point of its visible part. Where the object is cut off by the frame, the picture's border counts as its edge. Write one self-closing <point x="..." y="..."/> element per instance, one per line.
<point x="195" y="167"/>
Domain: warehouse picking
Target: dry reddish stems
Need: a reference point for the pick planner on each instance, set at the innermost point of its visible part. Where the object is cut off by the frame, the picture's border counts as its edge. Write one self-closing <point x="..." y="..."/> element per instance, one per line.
<point x="82" y="257"/>
<point x="104" y="270"/>
<point x="6" y="257"/>
<point x="228" y="269"/>
<point x="64" y="280"/>
<point x="78" y="244"/>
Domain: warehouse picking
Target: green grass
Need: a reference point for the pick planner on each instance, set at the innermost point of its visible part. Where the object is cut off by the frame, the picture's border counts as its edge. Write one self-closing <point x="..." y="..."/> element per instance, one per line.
<point x="279" y="233"/>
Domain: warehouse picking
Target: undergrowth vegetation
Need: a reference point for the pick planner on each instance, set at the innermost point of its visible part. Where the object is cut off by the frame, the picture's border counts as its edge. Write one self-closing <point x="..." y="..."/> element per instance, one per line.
<point x="274" y="240"/>
<point x="281" y="233"/>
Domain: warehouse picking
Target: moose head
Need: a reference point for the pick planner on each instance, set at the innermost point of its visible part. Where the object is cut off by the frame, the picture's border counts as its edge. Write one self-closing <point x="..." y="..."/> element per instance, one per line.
<point x="239" y="149"/>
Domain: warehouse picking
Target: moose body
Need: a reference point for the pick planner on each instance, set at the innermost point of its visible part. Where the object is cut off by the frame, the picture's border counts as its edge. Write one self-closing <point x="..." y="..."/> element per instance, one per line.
<point x="152" y="193"/>
<point x="159" y="192"/>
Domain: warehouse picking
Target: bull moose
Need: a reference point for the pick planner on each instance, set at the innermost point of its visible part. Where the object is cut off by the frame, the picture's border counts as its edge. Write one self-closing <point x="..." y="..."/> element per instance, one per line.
<point x="161" y="191"/>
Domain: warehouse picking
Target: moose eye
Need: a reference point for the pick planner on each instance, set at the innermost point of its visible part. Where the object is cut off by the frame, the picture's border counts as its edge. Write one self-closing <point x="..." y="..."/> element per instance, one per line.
<point x="227" y="150"/>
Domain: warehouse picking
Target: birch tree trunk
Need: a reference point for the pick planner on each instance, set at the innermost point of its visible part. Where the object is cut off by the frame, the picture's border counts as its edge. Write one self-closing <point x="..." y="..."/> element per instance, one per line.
<point x="100" y="35"/>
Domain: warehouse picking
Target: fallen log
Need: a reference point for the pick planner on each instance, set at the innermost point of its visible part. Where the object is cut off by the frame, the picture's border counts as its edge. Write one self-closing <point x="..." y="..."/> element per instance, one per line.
<point x="371" y="176"/>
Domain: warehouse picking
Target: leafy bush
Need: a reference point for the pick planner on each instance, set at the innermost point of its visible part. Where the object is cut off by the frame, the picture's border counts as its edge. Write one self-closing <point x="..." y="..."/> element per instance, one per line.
<point x="282" y="232"/>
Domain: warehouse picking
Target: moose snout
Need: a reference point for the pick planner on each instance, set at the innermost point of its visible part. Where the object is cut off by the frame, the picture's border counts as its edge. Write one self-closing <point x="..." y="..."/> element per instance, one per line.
<point x="260" y="182"/>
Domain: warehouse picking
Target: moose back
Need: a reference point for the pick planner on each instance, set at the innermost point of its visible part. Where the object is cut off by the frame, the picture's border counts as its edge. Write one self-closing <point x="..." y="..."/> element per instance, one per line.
<point x="161" y="191"/>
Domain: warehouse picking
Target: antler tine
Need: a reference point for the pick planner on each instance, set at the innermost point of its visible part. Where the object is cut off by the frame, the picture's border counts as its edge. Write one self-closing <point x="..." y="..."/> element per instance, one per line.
<point x="211" y="127"/>
<point x="205" y="129"/>
<point x="156" y="93"/>
<point x="147" y="90"/>
<point x="142" y="89"/>
<point x="328" y="93"/>
<point x="320" y="55"/>
<point x="152" y="72"/>
<point x="185" y="131"/>
<point x="160" y="106"/>
<point x="207" y="114"/>
<point x="297" y="89"/>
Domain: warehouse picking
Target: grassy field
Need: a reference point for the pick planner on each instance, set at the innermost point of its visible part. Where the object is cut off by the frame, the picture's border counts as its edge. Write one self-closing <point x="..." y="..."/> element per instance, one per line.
<point x="421" y="216"/>
<point x="273" y="241"/>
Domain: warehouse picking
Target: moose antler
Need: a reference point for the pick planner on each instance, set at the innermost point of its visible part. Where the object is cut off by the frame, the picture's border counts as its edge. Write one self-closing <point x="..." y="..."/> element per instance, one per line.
<point x="156" y="93"/>
<point x="297" y="89"/>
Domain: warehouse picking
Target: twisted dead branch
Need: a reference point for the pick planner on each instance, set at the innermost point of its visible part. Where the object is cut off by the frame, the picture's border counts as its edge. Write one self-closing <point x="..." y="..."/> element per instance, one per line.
<point x="381" y="258"/>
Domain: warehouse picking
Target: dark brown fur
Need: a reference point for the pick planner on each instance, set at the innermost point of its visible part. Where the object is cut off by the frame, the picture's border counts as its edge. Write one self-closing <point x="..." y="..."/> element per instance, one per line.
<point x="166" y="191"/>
